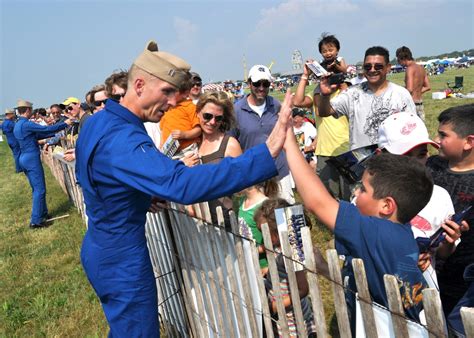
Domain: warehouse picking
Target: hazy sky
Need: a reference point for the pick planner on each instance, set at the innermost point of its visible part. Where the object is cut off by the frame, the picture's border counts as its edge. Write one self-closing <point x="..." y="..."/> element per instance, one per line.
<point x="54" y="49"/>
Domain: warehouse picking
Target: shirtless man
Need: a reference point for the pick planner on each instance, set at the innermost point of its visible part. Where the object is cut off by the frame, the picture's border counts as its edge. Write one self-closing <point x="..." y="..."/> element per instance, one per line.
<point x="416" y="79"/>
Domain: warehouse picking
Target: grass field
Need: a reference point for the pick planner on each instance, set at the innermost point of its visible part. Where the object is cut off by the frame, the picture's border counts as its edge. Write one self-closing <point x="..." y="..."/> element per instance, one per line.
<point x="43" y="289"/>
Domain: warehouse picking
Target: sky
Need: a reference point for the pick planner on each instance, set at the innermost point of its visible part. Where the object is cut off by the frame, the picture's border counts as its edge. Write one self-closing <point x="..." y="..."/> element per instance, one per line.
<point x="51" y="50"/>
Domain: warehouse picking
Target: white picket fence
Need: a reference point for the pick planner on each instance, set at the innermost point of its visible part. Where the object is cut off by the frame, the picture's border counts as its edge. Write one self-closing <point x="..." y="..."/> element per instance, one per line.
<point x="209" y="282"/>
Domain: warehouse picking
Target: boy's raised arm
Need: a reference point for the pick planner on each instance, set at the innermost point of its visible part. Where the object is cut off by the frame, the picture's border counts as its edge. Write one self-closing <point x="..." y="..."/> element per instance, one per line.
<point x="314" y="194"/>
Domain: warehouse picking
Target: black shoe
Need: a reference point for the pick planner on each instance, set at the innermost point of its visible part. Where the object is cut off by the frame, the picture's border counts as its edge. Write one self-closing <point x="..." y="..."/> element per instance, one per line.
<point x="37" y="226"/>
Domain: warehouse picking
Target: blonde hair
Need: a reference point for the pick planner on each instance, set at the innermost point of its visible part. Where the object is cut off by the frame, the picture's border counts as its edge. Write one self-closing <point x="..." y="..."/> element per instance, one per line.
<point x="222" y="100"/>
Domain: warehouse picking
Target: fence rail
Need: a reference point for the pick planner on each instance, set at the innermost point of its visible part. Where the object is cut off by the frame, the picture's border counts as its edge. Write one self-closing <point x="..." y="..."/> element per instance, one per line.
<point x="209" y="282"/>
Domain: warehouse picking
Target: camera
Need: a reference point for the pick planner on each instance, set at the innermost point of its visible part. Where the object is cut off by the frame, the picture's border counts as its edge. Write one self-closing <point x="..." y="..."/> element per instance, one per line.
<point x="336" y="79"/>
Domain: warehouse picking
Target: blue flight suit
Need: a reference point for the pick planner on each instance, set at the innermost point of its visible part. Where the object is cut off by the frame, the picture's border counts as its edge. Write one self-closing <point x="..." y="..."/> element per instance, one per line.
<point x="7" y="128"/>
<point x="119" y="170"/>
<point x="28" y="133"/>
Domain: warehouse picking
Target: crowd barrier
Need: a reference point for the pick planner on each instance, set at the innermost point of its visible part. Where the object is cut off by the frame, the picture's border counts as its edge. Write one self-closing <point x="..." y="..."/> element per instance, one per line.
<point x="209" y="284"/>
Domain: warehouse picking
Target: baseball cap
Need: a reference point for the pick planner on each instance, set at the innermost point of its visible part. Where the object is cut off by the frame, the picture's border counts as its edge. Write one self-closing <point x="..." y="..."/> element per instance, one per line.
<point x="163" y="65"/>
<point x="260" y="72"/>
<point x="23" y="103"/>
<point x="399" y="133"/>
<point x="70" y="100"/>
<point x="9" y="111"/>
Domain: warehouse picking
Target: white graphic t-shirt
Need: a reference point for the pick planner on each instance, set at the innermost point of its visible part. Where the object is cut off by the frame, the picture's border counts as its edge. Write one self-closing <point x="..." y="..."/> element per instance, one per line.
<point x="366" y="111"/>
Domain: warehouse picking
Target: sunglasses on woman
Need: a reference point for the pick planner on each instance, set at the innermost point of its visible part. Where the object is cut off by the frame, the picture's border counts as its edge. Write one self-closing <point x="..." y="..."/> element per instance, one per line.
<point x="99" y="103"/>
<point x="208" y="116"/>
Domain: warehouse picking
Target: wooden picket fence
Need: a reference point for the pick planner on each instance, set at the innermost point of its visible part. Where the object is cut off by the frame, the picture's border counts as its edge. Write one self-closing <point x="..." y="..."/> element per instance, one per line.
<point x="209" y="283"/>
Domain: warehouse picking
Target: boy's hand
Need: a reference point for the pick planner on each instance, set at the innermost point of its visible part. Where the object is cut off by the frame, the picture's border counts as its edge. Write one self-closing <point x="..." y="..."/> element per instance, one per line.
<point x="453" y="230"/>
<point x="424" y="261"/>
<point x="177" y="134"/>
<point x="190" y="159"/>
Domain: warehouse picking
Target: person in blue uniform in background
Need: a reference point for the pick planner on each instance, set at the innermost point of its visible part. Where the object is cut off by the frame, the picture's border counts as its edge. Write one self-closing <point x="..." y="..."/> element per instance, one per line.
<point x="120" y="170"/>
<point x="7" y="129"/>
<point x="28" y="133"/>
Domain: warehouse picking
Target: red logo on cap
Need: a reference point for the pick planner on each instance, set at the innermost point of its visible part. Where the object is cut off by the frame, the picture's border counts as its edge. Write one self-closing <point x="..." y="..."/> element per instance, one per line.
<point x="408" y="128"/>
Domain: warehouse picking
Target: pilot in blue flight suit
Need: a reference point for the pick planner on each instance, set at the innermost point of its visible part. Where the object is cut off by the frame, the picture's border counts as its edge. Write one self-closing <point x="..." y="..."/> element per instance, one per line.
<point x="120" y="169"/>
<point x="28" y="133"/>
<point x="7" y="128"/>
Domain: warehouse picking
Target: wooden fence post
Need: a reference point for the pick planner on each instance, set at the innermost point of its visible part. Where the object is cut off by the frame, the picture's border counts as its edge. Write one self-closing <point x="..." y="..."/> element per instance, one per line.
<point x="467" y="316"/>
<point x="243" y="273"/>
<point x="364" y="298"/>
<point x="267" y="317"/>
<point x="275" y="279"/>
<point x="338" y="290"/>
<point x="222" y="242"/>
<point x="433" y="313"/>
<point x="395" y="305"/>
<point x="313" y="281"/>
<point x="293" y="284"/>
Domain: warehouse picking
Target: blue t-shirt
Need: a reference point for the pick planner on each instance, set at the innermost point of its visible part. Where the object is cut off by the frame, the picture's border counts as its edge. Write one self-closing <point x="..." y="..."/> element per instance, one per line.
<point x="386" y="248"/>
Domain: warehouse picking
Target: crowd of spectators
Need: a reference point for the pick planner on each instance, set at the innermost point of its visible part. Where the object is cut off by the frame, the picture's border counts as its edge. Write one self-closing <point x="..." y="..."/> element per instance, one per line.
<point x="376" y="219"/>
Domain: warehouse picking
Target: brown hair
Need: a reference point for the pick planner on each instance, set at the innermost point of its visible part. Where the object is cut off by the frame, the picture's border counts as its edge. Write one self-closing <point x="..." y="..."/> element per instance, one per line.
<point x="222" y="100"/>
<point x="404" y="179"/>
<point x="119" y="78"/>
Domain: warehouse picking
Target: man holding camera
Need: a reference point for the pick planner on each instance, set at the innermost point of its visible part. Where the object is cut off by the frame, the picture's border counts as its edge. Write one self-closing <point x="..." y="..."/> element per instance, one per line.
<point x="368" y="104"/>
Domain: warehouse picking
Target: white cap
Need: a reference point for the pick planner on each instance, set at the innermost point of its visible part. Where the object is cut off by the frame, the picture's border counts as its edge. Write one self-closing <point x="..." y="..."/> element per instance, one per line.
<point x="399" y="133"/>
<point x="260" y="72"/>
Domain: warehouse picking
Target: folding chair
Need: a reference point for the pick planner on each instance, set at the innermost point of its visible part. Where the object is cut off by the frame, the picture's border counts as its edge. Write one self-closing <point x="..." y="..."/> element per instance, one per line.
<point x="457" y="85"/>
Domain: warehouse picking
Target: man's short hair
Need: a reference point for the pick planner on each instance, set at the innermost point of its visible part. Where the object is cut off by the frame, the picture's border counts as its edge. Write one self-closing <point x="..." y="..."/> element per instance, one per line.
<point x="328" y="39"/>
<point x="378" y="50"/>
<point x="186" y="84"/>
<point x="119" y="78"/>
<point x="404" y="53"/>
<point x="461" y="119"/>
<point x="404" y="179"/>
<point x="22" y="110"/>
<point x="55" y="105"/>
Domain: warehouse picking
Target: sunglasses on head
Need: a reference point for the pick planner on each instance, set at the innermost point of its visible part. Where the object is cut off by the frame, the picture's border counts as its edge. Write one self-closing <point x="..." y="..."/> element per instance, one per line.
<point x="263" y="83"/>
<point x="209" y="116"/>
<point x="117" y="97"/>
<point x="377" y="66"/>
<point x="99" y="103"/>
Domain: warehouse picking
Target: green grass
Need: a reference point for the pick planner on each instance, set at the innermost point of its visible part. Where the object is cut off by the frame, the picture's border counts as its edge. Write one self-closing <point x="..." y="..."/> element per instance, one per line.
<point x="43" y="289"/>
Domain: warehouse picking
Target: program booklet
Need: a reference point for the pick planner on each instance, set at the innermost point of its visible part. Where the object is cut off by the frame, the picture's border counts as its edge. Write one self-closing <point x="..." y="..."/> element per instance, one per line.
<point x="291" y="219"/>
<point x="170" y="147"/>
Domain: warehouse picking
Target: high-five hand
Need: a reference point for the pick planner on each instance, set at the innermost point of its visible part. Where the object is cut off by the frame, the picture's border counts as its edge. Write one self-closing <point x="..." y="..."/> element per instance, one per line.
<point x="277" y="137"/>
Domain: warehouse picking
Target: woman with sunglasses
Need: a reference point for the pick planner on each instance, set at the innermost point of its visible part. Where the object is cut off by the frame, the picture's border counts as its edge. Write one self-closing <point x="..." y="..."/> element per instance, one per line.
<point x="216" y="116"/>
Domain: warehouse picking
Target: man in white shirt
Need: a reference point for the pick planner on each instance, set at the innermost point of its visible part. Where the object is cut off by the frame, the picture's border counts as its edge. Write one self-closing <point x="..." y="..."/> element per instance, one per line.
<point x="370" y="103"/>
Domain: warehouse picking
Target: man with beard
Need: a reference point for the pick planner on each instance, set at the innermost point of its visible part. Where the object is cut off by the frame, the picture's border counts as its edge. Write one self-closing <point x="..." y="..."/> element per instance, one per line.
<point x="370" y="103"/>
<point x="120" y="169"/>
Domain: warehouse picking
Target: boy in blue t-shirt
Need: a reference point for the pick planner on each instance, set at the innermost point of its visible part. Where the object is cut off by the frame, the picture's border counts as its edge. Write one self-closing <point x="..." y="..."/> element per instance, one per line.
<point x="393" y="190"/>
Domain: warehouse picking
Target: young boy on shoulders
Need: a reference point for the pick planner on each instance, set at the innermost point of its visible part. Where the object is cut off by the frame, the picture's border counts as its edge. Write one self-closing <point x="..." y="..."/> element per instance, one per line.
<point x="453" y="169"/>
<point x="394" y="189"/>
